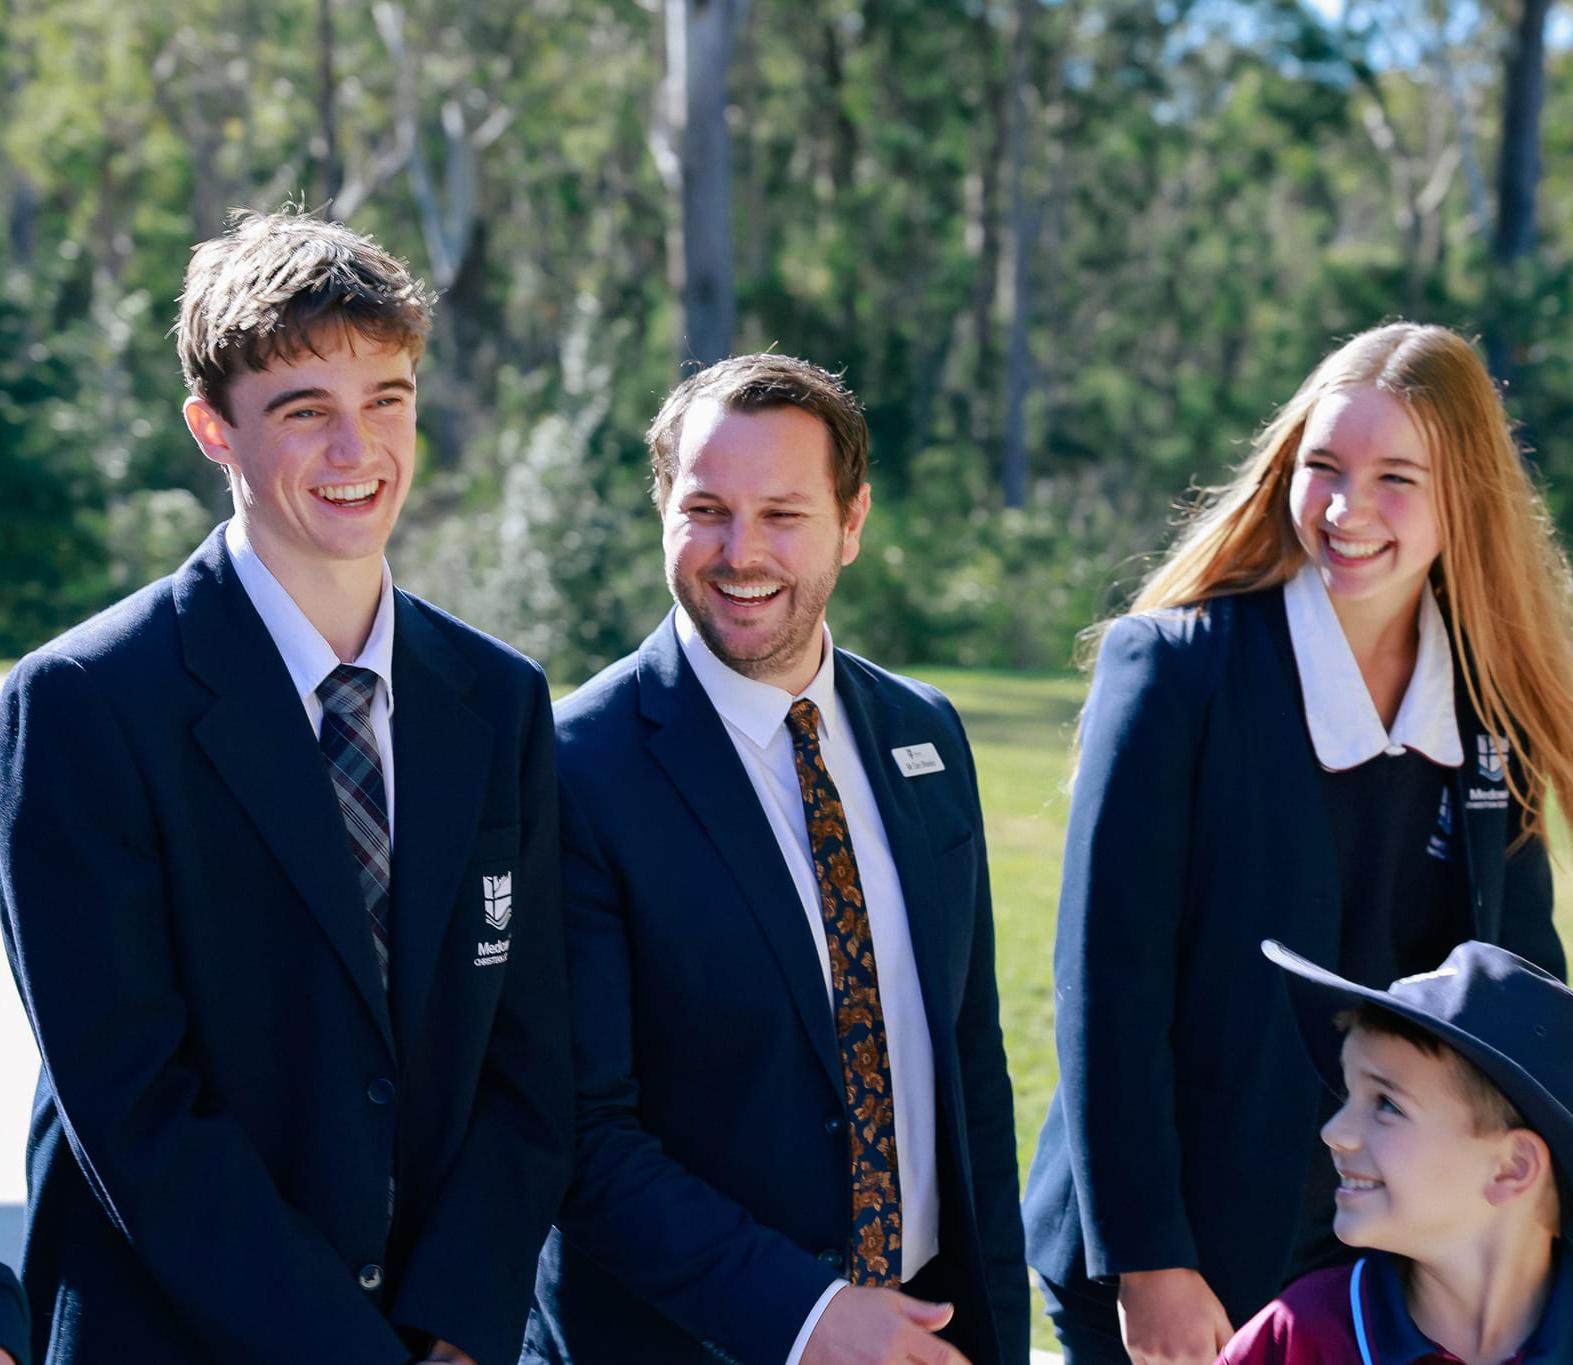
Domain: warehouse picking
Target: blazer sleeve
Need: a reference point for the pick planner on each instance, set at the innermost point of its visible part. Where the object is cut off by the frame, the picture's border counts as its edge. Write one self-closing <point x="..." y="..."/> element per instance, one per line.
<point x="1527" y="899"/>
<point x="667" y="1234"/>
<point x="991" y="1123"/>
<point x="1122" y="902"/>
<point x="14" y="1325"/>
<point x="85" y="923"/>
<point x="504" y="1190"/>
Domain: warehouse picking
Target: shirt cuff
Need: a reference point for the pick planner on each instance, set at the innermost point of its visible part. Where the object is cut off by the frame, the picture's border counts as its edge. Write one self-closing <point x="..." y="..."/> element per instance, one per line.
<point x="812" y="1320"/>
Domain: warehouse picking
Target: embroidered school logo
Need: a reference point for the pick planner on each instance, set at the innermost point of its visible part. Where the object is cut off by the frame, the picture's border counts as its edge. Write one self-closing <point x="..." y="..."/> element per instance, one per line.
<point x="498" y="892"/>
<point x="1491" y="750"/>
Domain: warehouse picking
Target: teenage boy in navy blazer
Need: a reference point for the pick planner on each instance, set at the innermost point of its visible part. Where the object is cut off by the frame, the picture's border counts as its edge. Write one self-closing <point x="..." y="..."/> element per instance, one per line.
<point x="795" y="1133"/>
<point x="278" y="858"/>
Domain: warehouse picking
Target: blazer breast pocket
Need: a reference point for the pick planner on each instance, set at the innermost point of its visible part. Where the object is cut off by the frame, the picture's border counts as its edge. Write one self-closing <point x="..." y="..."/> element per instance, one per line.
<point x="487" y="901"/>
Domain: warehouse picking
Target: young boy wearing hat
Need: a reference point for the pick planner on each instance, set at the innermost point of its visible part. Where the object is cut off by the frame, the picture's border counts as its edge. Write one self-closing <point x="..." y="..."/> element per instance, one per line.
<point x="1457" y="1126"/>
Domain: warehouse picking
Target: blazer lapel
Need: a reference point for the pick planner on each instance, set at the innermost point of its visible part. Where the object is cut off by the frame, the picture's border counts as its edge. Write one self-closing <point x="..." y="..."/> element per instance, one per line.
<point x="691" y="745"/>
<point x="907" y="832"/>
<point x="442" y="762"/>
<point x="258" y="738"/>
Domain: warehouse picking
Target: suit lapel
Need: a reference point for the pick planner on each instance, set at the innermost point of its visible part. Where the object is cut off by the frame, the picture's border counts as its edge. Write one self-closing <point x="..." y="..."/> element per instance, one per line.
<point x="258" y="738"/>
<point x="907" y="833"/>
<point x="691" y="745"/>
<point x="442" y="761"/>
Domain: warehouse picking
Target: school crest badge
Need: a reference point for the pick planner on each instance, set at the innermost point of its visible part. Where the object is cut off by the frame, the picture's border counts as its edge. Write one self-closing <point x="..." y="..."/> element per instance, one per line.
<point x="1491" y="750"/>
<point x="498" y="892"/>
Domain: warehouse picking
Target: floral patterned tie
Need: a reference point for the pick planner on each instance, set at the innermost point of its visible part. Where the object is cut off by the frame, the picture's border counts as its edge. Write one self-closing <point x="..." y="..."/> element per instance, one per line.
<point x="860" y="1022"/>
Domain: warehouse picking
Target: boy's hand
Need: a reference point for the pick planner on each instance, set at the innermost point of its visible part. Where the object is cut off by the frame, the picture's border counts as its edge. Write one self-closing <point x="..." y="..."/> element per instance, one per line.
<point x="1171" y="1317"/>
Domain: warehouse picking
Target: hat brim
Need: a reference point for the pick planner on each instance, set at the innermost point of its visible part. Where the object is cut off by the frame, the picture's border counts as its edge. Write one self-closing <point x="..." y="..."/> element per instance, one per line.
<point x="1317" y="995"/>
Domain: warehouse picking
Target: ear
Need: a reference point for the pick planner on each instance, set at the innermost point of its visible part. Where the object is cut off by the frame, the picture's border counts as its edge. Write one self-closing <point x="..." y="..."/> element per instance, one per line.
<point x="852" y="528"/>
<point x="1523" y="1167"/>
<point x="209" y="429"/>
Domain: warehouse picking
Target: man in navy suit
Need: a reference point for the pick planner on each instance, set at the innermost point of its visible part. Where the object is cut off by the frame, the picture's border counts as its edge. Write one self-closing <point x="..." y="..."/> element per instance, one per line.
<point x="795" y="1134"/>
<point x="278" y="859"/>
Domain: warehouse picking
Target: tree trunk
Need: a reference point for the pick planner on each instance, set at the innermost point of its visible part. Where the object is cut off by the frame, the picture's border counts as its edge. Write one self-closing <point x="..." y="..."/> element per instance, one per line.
<point x="1518" y="178"/>
<point x="700" y="35"/>
<point x="1025" y="217"/>
<point x="330" y="174"/>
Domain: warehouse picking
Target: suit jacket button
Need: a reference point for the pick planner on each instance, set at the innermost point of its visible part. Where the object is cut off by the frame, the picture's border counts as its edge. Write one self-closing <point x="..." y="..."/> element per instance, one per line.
<point x="370" y="1277"/>
<point x="381" y="1091"/>
<point x="832" y="1126"/>
<point x="834" y="1258"/>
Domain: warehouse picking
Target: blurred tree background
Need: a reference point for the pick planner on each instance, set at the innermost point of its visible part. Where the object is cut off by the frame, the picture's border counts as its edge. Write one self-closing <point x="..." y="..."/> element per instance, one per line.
<point x="1071" y="254"/>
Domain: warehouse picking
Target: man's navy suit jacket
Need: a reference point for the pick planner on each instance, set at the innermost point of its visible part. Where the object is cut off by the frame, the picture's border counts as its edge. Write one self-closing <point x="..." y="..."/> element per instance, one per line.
<point x="711" y="1200"/>
<point x="1187" y="1110"/>
<point x="226" y="1088"/>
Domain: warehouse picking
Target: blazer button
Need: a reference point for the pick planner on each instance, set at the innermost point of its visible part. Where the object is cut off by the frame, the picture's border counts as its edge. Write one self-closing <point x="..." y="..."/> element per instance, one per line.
<point x="370" y="1277"/>
<point x="834" y="1258"/>
<point x="381" y="1091"/>
<point x="833" y="1126"/>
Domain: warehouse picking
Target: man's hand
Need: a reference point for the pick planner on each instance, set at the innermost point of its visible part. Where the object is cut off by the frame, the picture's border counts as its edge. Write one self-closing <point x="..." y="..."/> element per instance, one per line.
<point x="1171" y="1317"/>
<point x="446" y="1353"/>
<point x="862" y="1326"/>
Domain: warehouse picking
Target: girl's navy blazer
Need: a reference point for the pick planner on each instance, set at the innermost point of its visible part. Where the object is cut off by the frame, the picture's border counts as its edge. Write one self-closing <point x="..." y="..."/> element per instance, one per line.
<point x="1186" y="1112"/>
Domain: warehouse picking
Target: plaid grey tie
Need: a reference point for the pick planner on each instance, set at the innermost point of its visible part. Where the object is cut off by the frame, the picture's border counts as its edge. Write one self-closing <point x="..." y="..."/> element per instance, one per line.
<point x="350" y="748"/>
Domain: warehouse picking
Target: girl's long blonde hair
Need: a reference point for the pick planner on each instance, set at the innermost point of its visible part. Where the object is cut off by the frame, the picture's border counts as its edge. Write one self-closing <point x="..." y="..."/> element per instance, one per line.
<point x="1501" y="580"/>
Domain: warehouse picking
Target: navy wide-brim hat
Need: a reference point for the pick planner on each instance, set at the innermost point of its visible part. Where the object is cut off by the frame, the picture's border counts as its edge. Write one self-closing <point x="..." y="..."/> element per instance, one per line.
<point x="1507" y="1016"/>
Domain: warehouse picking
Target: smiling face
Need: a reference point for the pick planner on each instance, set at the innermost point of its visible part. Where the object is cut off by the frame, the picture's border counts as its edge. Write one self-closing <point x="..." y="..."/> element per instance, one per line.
<point x="755" y="539"/>
<point x="1415" y="1172"/>
<point x="320" y="453"/>
<point x="1363" y="503"/>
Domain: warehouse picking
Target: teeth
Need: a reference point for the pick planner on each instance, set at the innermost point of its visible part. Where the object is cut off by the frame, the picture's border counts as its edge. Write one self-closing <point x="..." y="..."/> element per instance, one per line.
<point x="1350" y="1182"/>
<point x="752" y="592"/>
<point x="1354" y="549"/>
<point x="346" y="492"/>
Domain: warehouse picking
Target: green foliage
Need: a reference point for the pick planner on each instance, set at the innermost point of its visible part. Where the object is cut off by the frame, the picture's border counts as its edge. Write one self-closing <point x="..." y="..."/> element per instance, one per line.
<point x="1210" y="193"/>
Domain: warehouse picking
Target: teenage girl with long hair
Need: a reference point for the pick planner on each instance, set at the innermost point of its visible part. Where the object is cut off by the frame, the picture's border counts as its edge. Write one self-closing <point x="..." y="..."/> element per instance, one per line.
<point x="1336" y="715"/>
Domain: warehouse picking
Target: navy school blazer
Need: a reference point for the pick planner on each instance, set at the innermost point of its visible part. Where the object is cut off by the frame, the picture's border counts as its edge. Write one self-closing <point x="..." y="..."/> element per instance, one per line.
<point x="711" y="1199"/>
<point x="1187" y="1111"/>
<point x="226" y="1088"/>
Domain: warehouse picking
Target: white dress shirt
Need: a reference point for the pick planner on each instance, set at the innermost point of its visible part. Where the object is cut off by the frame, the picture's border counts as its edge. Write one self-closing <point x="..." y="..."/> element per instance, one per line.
<point x="1346" y="730"/>
<point x="754" y="714"/>
<point x="309" y="658"/>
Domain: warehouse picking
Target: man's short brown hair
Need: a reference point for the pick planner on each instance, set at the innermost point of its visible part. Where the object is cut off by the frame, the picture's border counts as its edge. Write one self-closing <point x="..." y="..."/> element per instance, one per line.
<point x="1491" y="1110"/>
<point x="273" y="284"/>
<point x="753" y="383"/>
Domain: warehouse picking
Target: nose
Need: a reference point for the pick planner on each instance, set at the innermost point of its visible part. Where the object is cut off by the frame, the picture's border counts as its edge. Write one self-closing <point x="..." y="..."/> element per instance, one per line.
<point x="1339" y="1132"/>
<point x="1347" y="504"/>
<point x="347" y="441"/>
<point x="744" y="542"/>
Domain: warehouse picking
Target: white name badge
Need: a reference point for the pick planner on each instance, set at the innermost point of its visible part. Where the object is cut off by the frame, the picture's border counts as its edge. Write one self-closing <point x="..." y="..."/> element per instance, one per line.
<point x="916" y="759"/>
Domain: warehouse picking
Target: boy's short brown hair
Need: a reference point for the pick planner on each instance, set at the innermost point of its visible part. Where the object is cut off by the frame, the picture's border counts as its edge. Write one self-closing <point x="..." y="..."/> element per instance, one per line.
<point x="753" y="383"/>
<point x="1491" y="1110"/>
<point x="272" y="284"/>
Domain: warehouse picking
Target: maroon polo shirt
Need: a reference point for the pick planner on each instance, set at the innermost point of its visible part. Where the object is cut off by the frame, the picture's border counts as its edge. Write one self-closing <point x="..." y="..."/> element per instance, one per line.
<point x="1355" y="1315"/>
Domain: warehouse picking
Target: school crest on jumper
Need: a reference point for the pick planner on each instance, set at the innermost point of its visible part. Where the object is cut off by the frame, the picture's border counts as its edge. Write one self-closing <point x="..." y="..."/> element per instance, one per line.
<point x="1491" y="750"/>
<point x="498" y="893"/>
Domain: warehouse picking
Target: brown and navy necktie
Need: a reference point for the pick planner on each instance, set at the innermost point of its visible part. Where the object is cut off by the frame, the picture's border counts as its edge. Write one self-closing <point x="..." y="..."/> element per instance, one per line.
<point x="875" y="1254"/>
<point x="350" y="748"/>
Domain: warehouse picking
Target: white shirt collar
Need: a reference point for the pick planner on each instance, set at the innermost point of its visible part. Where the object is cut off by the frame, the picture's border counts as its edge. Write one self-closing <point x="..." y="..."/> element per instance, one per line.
<point x="757" y="709"/>
<point x="1346" y="730"/>
<point x="308" y="657"/>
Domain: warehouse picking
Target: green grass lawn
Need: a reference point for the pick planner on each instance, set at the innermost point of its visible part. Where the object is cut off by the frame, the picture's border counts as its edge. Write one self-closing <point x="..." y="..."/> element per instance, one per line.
<point x="1021" y="729"/>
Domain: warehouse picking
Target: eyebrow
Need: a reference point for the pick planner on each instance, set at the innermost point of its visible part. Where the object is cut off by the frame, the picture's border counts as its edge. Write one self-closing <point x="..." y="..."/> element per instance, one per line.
<point x="1384" y="460"/>
<point x="1386" y="1083"/>
<point x="295" y="395"/>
